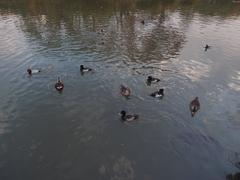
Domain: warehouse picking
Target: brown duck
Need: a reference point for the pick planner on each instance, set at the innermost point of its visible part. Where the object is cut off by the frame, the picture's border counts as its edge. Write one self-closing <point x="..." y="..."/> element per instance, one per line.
<point x="194" y="106"/>
<point x="125" y="91"/>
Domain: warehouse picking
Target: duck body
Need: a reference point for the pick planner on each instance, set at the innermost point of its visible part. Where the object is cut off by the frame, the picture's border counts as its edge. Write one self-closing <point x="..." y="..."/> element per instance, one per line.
<point x="125" y="91"/>
<point x="158" y="94"/>
<point x="59" y="85"/>
<point x="206" y="47"/>
<point x="151" y="79"/>
<point x="128" y="117"/>
<point x="33" y="71"/>
<point x="194" y="106"/>
<point x="85" y="69"/>
<point x="237" y="164"/>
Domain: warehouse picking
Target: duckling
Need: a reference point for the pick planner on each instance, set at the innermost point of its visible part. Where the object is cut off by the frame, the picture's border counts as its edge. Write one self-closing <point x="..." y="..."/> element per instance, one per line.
<point x="59" y="85"/>
<point x="151" y="79"/>
<point x="33" y="71"/>
<point x="125" y="91"/>
<point x="85" y="69"/>
<point x="128" y="117"/>
<point x="158" y="94"/>
<point x="194" y="106"/>
<point x="207" y="47"/>
<point x="233" y="177"/>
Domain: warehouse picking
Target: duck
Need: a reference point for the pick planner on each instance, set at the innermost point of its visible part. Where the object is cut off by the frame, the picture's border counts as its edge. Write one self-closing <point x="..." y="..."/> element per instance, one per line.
<point x="233" y="177"/>
<point x="237" y="164"/>
<point x="207" y="47"/>
<point x="194" y="106"/>
<point x="125" y="91"/>
<point x="143" y="22"/>
<point x="158" y="94"/>
<point x="151" y="79"/>
<point x="128" y="117"/>
<point x="85" y="69"/>
<point x="33" y="71"/>
<point x="59" y="85"/>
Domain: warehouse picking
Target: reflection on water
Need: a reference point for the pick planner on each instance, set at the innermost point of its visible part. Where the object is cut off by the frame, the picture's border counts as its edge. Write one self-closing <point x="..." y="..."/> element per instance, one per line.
<point x="78" y="134"/>
<point x="235" y="82"/>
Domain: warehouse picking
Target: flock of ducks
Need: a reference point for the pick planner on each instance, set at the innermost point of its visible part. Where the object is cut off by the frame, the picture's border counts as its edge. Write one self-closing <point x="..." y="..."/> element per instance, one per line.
<point x="194" y="105"/>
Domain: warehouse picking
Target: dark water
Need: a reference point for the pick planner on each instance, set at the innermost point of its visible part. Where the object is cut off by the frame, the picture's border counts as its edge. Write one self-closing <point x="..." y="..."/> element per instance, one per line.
<point x="78" y="134"/>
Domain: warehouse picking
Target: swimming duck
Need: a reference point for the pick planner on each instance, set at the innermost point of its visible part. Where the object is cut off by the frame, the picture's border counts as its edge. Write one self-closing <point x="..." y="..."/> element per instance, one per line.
<point x="237" y="164"/>
<point x="33" y="71"/>
<point x="59" y="85"/>
<point x="151" y="79"/>
<point x="128" y="117"/>
<point x="125" y="91"/>
<point x="85" y="69"/>
<point x="207" y="47"/>
<point x="158" y="94"/>
<point x="194" y="106"/>
<point x="233" y="177"/>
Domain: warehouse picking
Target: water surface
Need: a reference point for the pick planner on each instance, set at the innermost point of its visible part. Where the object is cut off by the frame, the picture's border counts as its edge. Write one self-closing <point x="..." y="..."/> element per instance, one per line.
<point x="78" y="134"/>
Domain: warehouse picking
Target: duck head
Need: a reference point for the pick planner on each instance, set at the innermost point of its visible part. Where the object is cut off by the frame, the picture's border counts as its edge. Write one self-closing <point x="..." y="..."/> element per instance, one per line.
<point x="122" y="113"/>
<point x="207" y="47"/>
<point x="29" y="71"/>
<point x="81" y="67"/>
<point x="161" y="91"/>
<point x="149" y="78"/>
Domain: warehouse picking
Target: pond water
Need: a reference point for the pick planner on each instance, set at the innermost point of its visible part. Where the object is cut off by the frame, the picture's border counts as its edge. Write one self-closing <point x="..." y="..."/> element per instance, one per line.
<point x="77" y="134"/>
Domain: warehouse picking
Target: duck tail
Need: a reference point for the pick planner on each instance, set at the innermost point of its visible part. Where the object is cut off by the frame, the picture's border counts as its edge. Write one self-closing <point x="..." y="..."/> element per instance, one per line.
<point x="194" y="109"/>
<point x="136" y="116"/>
